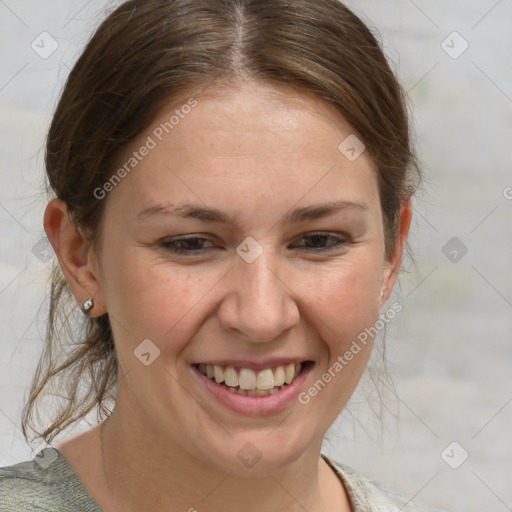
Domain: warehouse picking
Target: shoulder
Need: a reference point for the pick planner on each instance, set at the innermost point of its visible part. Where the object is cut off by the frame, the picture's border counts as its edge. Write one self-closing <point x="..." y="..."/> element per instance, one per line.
<point x="369" y="495"/>
<point x="45" y="484"/>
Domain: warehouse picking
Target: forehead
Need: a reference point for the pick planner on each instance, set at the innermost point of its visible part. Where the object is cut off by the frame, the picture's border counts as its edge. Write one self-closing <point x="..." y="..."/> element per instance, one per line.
<point x="256" y="110"/>
<point x="245" y="143"/>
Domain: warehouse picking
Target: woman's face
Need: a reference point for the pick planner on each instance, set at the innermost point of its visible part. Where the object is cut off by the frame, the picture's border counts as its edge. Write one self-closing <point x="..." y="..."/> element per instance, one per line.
<point x="217" y="250"/>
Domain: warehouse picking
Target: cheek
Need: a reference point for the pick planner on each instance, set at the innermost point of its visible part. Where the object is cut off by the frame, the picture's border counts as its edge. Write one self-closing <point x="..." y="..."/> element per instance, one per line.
<point x="151" y="298"/>
<point x="154" y="299"/>
<point x="345" y="301"/>
<point x="342" y="305"/>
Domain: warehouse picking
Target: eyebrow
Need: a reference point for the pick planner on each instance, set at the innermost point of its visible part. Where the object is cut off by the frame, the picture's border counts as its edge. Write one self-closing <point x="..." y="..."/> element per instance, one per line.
<point x="205" y="213"/>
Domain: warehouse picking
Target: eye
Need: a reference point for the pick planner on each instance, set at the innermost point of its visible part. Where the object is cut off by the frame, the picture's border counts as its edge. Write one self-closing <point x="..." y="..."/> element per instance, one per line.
<point x="322" y="242"/>
<point x="186" y="245"/>
<point x="197" y="245"/>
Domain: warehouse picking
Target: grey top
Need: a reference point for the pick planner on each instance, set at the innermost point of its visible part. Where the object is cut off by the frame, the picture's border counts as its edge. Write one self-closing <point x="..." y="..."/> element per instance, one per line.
<point x="48" y="484"/>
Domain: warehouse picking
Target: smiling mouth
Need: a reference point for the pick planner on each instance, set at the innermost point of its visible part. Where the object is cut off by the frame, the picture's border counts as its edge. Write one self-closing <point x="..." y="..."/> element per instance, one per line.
<point x="246" y="382"/>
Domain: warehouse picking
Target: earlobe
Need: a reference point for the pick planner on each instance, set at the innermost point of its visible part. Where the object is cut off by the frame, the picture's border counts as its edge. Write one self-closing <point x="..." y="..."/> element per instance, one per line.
<point x="392" y="266"/>
<point x="75" y="256"/>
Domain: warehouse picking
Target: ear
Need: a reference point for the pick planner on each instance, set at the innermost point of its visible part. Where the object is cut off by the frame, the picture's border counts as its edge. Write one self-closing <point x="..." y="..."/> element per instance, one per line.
<point x="76" y="257"/>
<point x="391" y="267"/>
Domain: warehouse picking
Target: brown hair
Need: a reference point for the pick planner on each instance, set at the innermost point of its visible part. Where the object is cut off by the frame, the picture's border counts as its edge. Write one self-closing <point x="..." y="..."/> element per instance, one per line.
<point x="150" y="52"/>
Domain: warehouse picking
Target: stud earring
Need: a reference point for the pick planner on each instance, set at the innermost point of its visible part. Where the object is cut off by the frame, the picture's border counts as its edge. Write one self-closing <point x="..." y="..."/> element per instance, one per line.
<point x="87" y="305"/>
<point x="382" y="293"/>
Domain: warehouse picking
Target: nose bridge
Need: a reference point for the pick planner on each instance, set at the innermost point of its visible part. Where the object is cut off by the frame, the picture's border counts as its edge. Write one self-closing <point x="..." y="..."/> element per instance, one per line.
<point x="259" y="304"/>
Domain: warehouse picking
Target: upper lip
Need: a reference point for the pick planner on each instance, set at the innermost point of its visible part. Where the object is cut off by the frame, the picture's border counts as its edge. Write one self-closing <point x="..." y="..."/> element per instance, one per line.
<point x="254" y="365"/>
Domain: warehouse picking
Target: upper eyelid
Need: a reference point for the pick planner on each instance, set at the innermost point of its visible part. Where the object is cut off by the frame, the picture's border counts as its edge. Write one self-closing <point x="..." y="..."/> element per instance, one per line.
<point x="340" y="236"/>
<point x="194" y="236"/>
<point x="342" y="239"/>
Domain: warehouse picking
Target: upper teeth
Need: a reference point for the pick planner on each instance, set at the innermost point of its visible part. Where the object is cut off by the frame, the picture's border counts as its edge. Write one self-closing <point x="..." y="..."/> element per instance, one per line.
<point x="246" y="378"/>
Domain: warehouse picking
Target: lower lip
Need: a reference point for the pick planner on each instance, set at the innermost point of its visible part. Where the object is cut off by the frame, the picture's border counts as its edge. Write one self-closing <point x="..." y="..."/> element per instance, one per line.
<point x="254" y="405"/>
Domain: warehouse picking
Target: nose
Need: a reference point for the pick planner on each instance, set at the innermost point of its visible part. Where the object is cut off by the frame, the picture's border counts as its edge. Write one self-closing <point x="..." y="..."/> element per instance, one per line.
<point x="259" y="304"/>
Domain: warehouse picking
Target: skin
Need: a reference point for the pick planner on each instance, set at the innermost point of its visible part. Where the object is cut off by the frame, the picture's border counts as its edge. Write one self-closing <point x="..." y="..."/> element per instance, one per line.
<point x="256" y="152"/>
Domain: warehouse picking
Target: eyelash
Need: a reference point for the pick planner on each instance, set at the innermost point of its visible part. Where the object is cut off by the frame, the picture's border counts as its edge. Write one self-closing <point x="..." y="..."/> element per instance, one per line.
<point x="172" y="245"/>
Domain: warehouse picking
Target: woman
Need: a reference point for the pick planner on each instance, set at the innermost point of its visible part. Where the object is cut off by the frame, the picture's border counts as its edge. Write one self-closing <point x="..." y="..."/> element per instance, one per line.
<point x="232" y="184"/>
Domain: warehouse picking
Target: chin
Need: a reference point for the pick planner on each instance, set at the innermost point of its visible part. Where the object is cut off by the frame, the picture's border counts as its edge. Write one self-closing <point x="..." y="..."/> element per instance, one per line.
<point x="256" y="454"/>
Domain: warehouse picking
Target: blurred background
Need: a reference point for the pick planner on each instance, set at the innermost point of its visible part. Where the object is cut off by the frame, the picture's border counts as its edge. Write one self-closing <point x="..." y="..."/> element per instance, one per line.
<point x="447" y="435"/>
